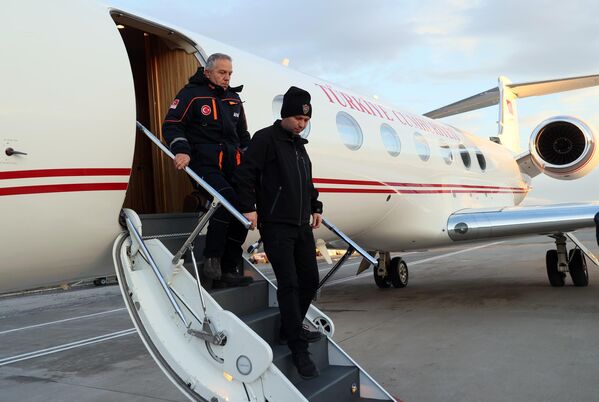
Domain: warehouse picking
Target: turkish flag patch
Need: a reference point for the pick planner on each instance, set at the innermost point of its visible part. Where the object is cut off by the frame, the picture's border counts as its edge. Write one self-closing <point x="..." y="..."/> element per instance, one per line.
<point x="206" y="110"/>
<point x="174" y="104"/>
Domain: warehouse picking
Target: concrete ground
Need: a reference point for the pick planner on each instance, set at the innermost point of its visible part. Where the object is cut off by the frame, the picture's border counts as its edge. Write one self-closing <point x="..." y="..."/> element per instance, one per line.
<point x="476" y="323"/>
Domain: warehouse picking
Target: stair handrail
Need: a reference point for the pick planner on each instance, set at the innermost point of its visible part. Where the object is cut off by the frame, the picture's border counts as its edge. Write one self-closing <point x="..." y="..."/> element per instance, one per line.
<point x="349" y="241"/>
<point x="217" y="196"/>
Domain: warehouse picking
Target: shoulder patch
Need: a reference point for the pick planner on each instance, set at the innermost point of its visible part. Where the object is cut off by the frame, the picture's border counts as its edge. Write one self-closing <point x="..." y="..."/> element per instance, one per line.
<point x="206" y="110"/>
<point x="175" y="104"/>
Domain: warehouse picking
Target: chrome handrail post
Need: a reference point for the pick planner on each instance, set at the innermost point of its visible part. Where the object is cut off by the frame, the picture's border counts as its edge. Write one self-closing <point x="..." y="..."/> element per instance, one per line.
<point x="150" y="260"/>
<point x="203" y="221"/>
<point x="338" y="265"/>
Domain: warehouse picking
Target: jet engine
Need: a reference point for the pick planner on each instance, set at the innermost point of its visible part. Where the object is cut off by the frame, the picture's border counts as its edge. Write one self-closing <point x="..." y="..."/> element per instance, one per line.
<point x="564" y="147"/>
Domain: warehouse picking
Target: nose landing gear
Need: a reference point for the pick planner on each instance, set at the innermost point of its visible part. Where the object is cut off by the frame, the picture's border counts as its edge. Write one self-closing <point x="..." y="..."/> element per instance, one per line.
<point x="391" y="272"/>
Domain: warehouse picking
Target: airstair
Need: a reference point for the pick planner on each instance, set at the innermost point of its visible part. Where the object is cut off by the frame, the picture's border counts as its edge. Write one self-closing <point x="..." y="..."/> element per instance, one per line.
<point x="221" y="345"/>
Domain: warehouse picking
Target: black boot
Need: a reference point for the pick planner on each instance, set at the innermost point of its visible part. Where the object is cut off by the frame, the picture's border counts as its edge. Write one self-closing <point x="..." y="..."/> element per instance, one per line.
<point x="305" y="366"/>
<point x="235" y="279"/>
<point x="211" y="268"/>
<point x="304" y="335"/>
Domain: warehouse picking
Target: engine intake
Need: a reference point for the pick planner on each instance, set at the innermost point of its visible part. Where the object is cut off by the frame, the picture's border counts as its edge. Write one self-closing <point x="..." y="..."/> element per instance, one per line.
<point x="563" y="147"/>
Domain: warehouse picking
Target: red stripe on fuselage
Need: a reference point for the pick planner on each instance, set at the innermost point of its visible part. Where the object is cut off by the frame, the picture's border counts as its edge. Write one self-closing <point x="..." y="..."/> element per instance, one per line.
<point x="62" y="188"/>
<point x="391" y="191"/>
<point x="28" y="174"/>
<point x="398" y="184"/>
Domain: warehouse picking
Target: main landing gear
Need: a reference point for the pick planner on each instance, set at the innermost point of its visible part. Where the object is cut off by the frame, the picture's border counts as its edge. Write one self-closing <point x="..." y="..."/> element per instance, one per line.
<point x="559" y="262"/>
<point x="391" y="272"/>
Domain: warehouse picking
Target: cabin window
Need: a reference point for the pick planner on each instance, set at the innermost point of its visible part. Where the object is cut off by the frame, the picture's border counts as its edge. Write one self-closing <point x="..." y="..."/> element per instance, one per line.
<point x="465" y="156"/>
<point x="277" y="103"/>
<point x="482" y="162"/>
<point x="350" y="131"/>
<point x="422" y="148"/>
<point x="446" y="153"/>
<point x="390" y="140"/>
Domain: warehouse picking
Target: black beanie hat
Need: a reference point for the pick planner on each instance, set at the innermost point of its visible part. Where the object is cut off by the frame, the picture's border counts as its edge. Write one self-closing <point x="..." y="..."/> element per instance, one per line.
<point x="296" y="102"/>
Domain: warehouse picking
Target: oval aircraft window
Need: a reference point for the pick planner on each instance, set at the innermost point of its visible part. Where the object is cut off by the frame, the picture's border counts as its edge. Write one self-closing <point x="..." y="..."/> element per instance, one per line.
<point x="482" y="162"/>
<point x="422" y="147"/>
<point x="446" y="154"/>
<point x="465" y="156"/>
<point x="350" y="131"/>
<point x="277" y="103"/>
<point x="390" y="140"/>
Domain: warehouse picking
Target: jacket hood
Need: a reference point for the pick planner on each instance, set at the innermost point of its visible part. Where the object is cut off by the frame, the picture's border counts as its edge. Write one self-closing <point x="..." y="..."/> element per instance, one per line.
<point x="200" y="79"/>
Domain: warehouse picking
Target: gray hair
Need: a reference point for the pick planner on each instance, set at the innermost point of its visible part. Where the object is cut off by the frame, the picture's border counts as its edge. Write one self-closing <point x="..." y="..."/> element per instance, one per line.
<point x="214" y="57"/>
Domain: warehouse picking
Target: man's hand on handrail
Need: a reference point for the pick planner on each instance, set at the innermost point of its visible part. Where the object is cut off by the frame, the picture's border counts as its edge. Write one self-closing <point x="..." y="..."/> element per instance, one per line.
<point x="253" y="218"/>
<point x="181" y="161"/>
<point x="316" y="220"/>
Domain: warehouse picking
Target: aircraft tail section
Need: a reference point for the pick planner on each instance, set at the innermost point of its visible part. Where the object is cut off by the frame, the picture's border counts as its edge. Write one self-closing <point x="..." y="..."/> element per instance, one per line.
<point x="505" y="94"/>
<point x="509" y="132"/>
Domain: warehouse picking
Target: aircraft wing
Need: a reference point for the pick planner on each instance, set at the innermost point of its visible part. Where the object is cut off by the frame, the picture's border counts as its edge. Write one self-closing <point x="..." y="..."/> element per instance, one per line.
<point x="478" y="224"/>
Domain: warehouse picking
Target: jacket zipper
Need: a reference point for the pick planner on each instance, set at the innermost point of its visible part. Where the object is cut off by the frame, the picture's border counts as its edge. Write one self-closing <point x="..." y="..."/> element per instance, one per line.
<point x="275" y="201"/>
<point x="299" y="173"/>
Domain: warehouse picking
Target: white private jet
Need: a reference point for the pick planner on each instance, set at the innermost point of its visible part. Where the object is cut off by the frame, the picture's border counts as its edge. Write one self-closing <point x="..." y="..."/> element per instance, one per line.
<point x="78" y="75"/>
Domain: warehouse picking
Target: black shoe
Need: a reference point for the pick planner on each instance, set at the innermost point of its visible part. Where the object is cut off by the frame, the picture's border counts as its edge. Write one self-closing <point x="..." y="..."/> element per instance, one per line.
<point x="235" y="279"/>
<point x="211" y="268"/>
<point x="305" y="366"/>
<point x="305" y="335"/>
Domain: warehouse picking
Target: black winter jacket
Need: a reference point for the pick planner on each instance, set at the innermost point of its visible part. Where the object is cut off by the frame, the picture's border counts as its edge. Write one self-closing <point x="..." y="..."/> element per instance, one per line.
<point x="205" y="119"/>
<point x="275" y="178"/>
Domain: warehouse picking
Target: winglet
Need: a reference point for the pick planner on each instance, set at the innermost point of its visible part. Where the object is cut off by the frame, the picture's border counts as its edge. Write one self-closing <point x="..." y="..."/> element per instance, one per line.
<point x="597" y="227"/>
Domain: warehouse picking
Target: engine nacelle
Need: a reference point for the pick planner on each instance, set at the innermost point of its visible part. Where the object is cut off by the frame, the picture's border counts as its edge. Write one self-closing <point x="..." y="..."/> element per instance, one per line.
<point x="564" y="147"/>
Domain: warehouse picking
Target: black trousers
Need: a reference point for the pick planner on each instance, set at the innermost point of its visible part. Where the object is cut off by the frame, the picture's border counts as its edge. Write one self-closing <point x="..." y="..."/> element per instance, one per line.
<point x="225" y="234"/>
<point x="292" y="253"/>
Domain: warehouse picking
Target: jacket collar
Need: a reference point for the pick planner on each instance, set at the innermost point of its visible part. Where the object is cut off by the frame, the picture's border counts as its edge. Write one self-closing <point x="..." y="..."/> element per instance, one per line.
<point x="285" y="135"/>
<point x="200" y="79"/>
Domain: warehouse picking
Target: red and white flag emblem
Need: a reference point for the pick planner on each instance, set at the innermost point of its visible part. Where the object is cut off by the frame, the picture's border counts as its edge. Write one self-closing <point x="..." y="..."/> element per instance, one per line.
<point x="174" y="104"/>
<point x="206" y="110"/>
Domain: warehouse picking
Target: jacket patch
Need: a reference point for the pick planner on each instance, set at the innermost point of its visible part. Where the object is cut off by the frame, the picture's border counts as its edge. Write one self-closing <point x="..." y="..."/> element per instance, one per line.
<point x="206" y="110"/>
<point x="174" y="104"/>
<point x="235" y="114"/>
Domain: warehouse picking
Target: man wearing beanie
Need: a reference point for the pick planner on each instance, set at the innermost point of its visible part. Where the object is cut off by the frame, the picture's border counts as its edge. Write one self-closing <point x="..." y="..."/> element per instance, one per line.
<point x="274" y="184"/>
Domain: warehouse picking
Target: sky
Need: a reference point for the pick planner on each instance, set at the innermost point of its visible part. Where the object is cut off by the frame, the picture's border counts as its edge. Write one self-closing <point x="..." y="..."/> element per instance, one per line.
<point x="420" y="55"/>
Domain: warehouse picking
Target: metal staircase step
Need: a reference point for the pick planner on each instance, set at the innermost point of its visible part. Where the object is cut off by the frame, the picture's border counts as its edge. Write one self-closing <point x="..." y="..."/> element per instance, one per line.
<point x="265" y="323"/>
<point x="243" y="300"/>
<point x="155" y="224"/>
<point x="282" y="358"/>
<point x="333" y="384"/>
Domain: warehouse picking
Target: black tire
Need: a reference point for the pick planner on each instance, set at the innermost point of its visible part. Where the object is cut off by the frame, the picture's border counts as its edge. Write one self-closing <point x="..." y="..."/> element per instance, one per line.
<point x="381" y="282"/>
<point x="103" y="281"/>
<point x="578" y="268"/>
<point x="398" y="272"/>
<point x="556" y="278"/>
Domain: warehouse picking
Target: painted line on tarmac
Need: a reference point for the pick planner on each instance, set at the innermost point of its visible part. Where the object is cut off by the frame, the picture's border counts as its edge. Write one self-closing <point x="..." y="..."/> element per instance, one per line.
<point x="60" y="321"/>
<point x="66" y="346"/>
<point x="437" y="257"/>
<point x="456" y="252"/>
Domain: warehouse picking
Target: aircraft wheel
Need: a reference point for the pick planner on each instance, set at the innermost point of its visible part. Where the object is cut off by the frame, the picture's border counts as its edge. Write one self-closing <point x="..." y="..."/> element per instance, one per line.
<point x="556" y="278"/>
<point x="398" y="272"/>
<point x="381" y="281"/>
<point x="578" y="268"/>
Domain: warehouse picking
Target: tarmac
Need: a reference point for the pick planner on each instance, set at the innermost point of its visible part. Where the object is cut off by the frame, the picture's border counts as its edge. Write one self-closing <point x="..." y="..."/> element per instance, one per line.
<point x="476" y="323"/>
